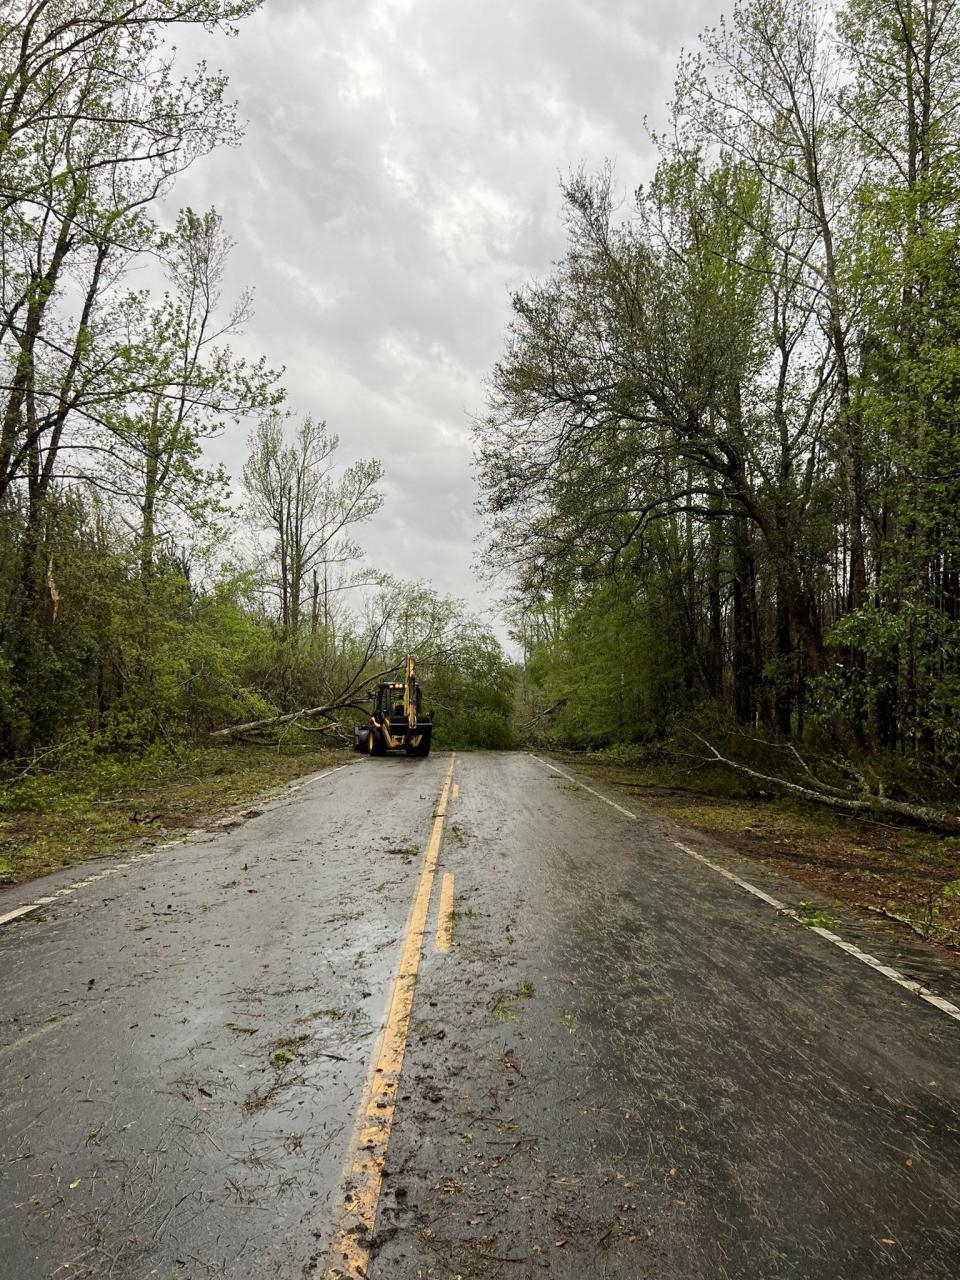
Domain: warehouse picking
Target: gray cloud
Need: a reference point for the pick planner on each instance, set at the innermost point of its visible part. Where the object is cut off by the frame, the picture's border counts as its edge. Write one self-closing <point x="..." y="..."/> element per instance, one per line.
<point x="398" y="180"/>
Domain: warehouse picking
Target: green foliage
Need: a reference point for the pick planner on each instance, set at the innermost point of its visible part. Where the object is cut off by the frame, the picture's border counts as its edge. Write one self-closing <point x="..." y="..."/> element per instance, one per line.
<point x="614" y="672"/>
<point x="900" y="625"/>
<point x="96" y="656"/>
<point x="467" y="681"/>
<point x="470" y="690"/>
<point x="124" y="631"/>
<point x="815" y="917"/>
<point x="722" y="458"/>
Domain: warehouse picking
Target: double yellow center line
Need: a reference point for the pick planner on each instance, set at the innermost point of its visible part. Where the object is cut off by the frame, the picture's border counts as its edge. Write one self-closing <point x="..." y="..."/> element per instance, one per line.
<point x="350" y="1248"/>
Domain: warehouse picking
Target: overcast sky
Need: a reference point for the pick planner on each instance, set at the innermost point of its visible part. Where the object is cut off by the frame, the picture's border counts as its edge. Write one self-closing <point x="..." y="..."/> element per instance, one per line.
<point x="398" y="180"/>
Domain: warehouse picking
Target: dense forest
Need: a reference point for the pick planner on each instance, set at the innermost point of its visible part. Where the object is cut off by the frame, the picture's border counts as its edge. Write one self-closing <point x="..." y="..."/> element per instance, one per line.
<point x="721" y="464"/>
<point x="722" y="459"/>
<point x="145" y="598"/>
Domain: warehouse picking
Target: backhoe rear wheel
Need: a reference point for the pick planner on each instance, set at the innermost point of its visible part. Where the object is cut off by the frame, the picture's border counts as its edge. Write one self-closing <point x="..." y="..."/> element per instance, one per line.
<point x="423" y="746"/>
<point x="375" y="744"/>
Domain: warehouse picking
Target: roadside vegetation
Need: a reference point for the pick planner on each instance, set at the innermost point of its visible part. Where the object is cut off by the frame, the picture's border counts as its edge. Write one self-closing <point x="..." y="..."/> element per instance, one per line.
<point x="721" y="462"/>
<point x="722" y="457"/>
<point x="147" y="598"/>
<point x="103" y="805"/>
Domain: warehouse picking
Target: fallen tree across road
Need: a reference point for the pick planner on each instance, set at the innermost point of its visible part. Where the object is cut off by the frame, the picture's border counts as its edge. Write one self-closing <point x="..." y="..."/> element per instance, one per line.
<point x="350" y="700"/>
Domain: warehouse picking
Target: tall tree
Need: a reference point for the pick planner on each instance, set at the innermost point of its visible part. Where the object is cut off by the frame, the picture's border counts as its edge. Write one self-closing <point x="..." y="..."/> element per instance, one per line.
<point x="94" y="126"/>
<point x="306" y="506"/>
<point x="182" y="384"/>
<point x="745" y="387"/>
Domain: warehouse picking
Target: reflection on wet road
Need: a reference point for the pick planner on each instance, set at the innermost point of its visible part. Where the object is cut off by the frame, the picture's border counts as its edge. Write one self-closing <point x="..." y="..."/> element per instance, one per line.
<point x="616" y="1063"/>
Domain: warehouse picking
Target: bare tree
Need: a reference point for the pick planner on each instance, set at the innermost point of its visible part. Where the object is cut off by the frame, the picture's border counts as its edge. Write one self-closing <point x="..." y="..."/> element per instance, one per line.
<point x="297" y="497"/>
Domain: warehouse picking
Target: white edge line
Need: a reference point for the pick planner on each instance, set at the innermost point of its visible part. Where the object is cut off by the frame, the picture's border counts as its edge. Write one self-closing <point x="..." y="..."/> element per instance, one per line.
<point x="864" y="957"/>
<point x="20" y="911"/>
<point x="583" y="786"/>
<point x="69" y="889"/>
<point x="298" y="786"/>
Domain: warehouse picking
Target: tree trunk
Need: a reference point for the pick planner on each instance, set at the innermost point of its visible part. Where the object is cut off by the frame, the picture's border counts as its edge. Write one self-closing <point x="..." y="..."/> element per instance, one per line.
<point x="743" y="668"/>
<point x="783" y="693"/>
<point x="148" y="503"/>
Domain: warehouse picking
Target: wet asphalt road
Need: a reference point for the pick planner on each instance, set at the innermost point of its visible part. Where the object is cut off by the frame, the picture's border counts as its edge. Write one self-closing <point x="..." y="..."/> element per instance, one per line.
<point x="624" y="1066"/>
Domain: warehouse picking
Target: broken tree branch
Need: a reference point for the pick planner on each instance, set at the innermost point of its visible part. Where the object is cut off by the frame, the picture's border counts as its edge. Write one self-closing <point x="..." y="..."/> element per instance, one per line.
<point x="923" y="815"/>
<point x="931" y="932"/>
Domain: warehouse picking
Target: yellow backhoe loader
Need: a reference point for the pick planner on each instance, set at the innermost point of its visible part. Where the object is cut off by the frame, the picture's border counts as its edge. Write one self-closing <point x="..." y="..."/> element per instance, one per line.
<point x="398" y="722"/>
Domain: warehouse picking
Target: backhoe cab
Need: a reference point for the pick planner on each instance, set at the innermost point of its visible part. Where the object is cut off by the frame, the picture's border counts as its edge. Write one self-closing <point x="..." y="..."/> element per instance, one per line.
<point x="398" y="722"/>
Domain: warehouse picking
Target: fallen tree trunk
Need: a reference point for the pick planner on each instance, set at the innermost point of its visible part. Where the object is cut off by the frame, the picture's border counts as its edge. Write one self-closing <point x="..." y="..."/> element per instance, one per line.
<point x="541" y="715"/>
<point x="250" y="726"/>
<point x="348" y="700"/>
<point x="923" y="815"/>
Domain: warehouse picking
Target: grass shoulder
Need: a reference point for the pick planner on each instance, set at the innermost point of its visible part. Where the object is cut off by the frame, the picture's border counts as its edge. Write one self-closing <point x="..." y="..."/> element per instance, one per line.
<point x="902" y="874"/>
<point x="99" y="806"/>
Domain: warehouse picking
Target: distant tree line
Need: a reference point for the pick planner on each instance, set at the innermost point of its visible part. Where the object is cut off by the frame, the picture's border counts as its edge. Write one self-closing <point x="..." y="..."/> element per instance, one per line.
<point x="136" y="605"/>
<point x="722" y="459"/>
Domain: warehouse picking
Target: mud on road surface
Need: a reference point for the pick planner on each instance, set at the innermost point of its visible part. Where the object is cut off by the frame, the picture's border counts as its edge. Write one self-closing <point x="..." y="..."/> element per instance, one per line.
<point x="618" y="1063"/>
